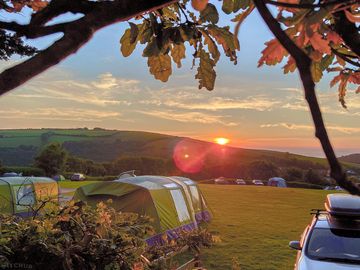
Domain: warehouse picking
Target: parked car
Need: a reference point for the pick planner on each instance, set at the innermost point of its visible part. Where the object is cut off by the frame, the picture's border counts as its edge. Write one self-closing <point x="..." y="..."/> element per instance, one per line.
<point x="332" y="240"/>
<point x="240" y="182"/>
<point x="77" y="177"/>
<point x="257" y="182"/>
<point x="221" y="181"/>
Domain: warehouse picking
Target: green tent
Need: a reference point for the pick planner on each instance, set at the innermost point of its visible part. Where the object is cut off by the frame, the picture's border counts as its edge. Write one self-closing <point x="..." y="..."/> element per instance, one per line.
<point x="199" y="205"/>
<point x="164" y="199"/>
<point x="20" y="194"/>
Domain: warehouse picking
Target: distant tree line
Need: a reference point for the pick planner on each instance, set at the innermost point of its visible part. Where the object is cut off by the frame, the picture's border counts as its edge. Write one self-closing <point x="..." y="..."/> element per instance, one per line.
<point x="54" y="159"/>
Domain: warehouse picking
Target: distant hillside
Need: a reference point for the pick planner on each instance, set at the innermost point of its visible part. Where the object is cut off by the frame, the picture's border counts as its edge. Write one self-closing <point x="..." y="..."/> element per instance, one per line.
<point x="353" y="158"/>
<point x="19" y="147"/>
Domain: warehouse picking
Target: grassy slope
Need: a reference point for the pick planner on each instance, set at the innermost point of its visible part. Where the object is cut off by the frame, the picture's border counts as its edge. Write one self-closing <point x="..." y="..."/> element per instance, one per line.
<point x="255" y="224"/>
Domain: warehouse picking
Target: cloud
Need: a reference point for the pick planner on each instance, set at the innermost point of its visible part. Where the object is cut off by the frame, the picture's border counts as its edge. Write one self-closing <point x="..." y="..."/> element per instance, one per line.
<point x="100" y="92"/>
<point x="219" y="103"/>
<point x="189" y="117"/>
<point x="59" y="114"/>
<point x="341" y="129"/>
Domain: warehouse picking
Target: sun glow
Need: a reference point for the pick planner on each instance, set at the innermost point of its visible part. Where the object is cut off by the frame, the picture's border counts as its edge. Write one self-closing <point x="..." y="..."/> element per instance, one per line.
<point x="221" y="141"/>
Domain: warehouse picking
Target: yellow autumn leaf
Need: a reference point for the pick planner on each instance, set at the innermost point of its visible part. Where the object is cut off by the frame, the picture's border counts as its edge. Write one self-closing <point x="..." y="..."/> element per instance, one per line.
<point x="178" y="53"/>
<point x="160" y="67"/>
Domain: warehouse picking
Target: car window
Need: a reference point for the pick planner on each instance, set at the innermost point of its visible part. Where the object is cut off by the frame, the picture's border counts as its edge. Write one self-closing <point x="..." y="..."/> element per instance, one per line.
<point x="334" y="245"/>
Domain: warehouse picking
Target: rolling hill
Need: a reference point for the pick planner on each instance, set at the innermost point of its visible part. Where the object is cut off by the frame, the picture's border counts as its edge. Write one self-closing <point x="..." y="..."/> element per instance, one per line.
<point x="353" y="158"/>
<point x="19" y="147"/>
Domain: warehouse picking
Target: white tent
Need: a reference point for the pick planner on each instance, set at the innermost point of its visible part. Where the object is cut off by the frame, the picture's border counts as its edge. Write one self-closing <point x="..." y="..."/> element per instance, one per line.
<point x="277" y="182"/>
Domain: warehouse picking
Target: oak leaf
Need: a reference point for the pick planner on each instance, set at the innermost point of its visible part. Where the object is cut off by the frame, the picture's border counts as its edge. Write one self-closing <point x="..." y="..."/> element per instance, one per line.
<point x="273" y="53"/>
<point x="160" y="66"/>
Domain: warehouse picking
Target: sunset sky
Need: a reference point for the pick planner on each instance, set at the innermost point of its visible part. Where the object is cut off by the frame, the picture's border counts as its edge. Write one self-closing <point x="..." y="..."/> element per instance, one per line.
<point x="254" y="108"/>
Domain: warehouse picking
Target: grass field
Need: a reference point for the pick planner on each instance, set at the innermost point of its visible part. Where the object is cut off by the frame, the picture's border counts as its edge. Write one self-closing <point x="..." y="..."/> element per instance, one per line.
<point x="255" y="224"/>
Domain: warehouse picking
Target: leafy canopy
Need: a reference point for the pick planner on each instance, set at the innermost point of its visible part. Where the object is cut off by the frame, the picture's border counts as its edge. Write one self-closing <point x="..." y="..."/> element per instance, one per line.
<point x="168" y="32"/>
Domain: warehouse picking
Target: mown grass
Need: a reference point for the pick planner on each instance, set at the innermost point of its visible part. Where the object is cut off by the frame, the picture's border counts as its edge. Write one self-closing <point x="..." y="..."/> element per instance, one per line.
<point x="255" y="224"/>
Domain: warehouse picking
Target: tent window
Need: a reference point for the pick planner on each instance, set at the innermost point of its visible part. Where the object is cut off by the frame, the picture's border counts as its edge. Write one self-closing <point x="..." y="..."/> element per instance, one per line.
<point x="24" y="197"/>
<point x="195" y="197"/>
<point x="180" y="205"/>
<point x="172" y="185"/>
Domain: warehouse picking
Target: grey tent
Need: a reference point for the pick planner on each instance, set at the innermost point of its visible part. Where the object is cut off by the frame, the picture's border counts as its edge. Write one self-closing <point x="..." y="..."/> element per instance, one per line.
<point x="277" y="182"/>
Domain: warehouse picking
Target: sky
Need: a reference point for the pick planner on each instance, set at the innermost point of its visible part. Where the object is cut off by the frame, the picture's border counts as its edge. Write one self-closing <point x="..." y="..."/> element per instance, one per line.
<point x="259" y="108"/>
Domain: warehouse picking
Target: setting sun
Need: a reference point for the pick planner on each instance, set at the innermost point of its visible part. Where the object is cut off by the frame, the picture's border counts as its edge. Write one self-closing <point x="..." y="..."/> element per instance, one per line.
<point x="221" y="141"/>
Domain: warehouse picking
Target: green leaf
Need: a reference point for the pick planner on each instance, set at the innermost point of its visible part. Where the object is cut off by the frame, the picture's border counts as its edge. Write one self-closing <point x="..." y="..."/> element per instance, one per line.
<point x="224" y="37"/>
<point x="316" y="71"/>
<point x="160" y="67"/>
<point x="227" y="6"/>
<point x="206" y="73"/>
<point x="240" y="4"/>
<point x="230" y="6"/>
<point x="178" y="53"/>
<point x="127" y="47"/>
<point x="326" y="62"/>
<point x="210" y="14"/>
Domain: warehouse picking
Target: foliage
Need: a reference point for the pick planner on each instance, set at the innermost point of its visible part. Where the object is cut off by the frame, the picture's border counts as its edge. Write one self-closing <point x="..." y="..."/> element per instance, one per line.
<point x="293" y="174"/>
<point x="52" y="159"/>
<point x="261" y="170"/>
<point x="25" y="171"/>
<point x="10" y="44"/>
<point x="74" y="237"/>
<point x="165" y="31"/>
<point x="313" y="177"/>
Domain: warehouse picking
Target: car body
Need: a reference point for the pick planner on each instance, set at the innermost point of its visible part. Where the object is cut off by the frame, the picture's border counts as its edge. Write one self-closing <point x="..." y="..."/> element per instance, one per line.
<point x="77" y="177"/>
<point x="257" y="182"/>
<point x="240" y="182"/>
<point x="221" y="181"/>
<point x="332" y="240"/>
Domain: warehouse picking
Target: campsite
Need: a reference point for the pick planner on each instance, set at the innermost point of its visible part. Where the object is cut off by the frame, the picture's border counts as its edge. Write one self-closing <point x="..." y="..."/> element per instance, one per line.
<point x="180" y="134"/>
<point x="249" y="236"/>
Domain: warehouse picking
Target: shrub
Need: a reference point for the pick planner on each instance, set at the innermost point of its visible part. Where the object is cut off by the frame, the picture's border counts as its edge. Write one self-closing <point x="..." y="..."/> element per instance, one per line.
<point x="303" y="185"/>
<point x="76" y="236"/>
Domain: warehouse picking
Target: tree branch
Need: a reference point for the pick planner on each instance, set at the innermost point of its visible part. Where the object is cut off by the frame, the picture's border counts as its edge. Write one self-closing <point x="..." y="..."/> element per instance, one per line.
<point x="76" y="34"/>
<point x="309" y="6"/>
<point x="303" y="63"/>
<point x="32" y="31"/>
<point x="345" y="58"/>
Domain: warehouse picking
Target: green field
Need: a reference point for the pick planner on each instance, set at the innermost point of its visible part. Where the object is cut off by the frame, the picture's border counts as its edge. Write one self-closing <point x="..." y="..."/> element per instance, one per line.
<point x="255" y="224"/>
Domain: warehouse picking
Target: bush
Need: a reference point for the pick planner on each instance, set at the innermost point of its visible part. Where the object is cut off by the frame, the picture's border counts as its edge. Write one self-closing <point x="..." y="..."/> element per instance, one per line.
<point x="303" y="185"/>
<point x="293" y="175"/>
<point x="313" y="177"/>
<point x="74" y="237"/>
<point x="77" y="236"/>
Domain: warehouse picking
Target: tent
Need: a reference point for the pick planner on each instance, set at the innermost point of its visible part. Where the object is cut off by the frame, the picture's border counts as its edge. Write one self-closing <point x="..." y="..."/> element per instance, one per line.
<point x="163" y="199"/>
<point x="201" y="211"/>
<point x="277" y="182"/>
<point x="59" y="177"/>
<point x="20" y="194"/>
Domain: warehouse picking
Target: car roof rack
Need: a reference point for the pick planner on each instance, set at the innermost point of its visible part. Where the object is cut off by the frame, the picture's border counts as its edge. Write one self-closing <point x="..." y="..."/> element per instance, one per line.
<point x="318" y="212"/>
<point x="343" y="206"/>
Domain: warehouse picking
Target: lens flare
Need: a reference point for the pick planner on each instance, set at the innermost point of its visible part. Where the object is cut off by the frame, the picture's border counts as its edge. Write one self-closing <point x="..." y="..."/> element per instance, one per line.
<point x="221" y="141"/>
<point x="189" y="156"/>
